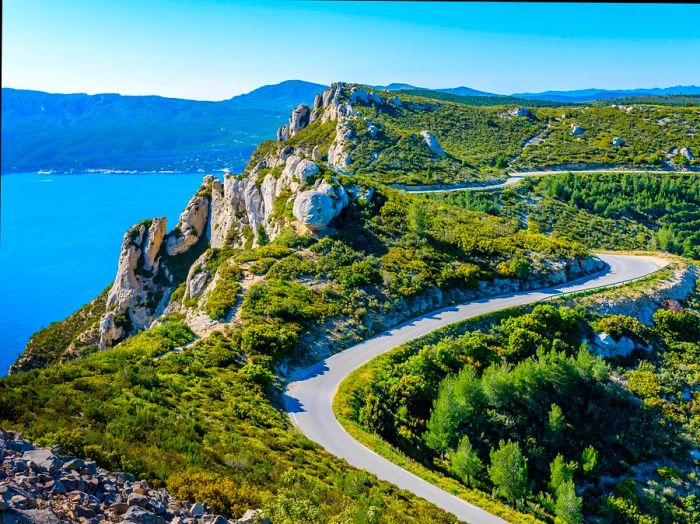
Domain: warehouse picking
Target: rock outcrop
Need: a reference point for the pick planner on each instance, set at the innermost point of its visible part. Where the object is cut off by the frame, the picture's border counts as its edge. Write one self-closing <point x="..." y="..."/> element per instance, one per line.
<point x="687" y="153"/>
<point x="301" y="117"/>
<point x="606" y="346"/>
<point x="433" y="143"/>
<point x="193" y="221"/>
<point x="316" y="207"/>
<point x="643" y="304"/>
<point x="576" y="130"/>
<point x="617" y="141"/>
<point x="519" y="111"/>
<point x="42" y="486"/>
<point x="130" y="300"/>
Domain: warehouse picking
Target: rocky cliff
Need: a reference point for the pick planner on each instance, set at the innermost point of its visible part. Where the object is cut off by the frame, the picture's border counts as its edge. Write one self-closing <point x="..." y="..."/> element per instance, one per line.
<point x="297" y="182"/>
<point x="285" y="187"/>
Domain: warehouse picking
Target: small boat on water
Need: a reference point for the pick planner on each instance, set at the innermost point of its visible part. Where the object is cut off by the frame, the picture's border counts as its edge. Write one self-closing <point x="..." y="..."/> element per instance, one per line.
<point x="44" y="172"/>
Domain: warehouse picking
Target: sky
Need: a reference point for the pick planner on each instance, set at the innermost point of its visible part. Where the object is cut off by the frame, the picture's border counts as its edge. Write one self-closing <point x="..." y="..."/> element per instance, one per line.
<point x="212" y="50"/>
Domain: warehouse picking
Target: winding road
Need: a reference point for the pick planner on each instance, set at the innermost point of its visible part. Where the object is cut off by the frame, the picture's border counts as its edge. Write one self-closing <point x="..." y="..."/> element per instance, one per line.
<point x="309" y="398"/>
<point x="514" y="178"/>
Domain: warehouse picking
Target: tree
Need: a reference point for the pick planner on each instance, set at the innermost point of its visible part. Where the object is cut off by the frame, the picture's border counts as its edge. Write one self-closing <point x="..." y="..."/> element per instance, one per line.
<point x="263" y="238"/>
<point x="465" y="463"/>
<point x="508" y="471"/>
<point x="589" y="460"/>
<point x="560" y="472"/>
<point x="557" y="424"/>
<point x="458" y="398"/>
<point x="567" y="509"/>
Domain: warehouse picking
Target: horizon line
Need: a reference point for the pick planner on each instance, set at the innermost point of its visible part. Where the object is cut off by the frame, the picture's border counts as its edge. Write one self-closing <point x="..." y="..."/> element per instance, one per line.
<point x="359" y="83"/>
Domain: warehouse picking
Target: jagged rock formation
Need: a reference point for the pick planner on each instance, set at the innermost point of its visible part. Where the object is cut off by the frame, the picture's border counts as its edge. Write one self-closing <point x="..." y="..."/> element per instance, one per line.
<point x="433" y="143"/>
<point x="193" y="221"/>
<point x="233" y="213"/>
<point x="130" y="300"/>
<point x="687" y="153"/>
<point x="41" y="486"/>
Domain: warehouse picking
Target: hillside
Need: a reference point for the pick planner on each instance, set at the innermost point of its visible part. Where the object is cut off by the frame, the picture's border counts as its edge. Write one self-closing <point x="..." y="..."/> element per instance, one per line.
<point x="146" y="133"/>
<point x="175" y="372"/>
<point x="287" y="263"/>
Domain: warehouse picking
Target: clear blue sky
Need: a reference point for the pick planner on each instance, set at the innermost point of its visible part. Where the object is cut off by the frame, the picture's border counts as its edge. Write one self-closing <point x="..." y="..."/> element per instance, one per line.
<point x="211" y="50"/>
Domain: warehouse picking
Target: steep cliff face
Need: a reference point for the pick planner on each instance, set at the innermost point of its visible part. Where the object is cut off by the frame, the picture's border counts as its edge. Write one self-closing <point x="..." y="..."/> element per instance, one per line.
<point x="290" y="184"/>
<point x="286" y="187"/>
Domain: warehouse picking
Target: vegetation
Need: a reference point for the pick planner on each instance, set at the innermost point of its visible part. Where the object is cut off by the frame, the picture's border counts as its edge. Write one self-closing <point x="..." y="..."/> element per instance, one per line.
<point x="609" y="211"/>
<point x="510" y="402"/>
<point x="61" y="341"/>
<point x="199" y="422"/>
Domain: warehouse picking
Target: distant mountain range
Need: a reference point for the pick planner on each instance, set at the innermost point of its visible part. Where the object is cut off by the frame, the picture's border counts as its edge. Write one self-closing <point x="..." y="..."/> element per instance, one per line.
<point x="585" y="95"/>
<point x="76" y="132"/>
<point x="579" y="95"/>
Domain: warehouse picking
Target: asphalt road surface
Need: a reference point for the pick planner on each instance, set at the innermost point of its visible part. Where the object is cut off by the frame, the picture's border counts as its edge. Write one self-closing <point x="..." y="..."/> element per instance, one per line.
<point x="309" y="399"/>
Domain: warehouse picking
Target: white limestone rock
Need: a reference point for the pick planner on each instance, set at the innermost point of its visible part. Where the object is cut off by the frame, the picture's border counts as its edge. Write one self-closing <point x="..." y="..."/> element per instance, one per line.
<point x="433" y="143"/>
<point x="519" y="111"/>
<point x="687" y="153"/>
<point x="301" y="116"/>
<point x="193" y="221"/>
<point x="606" y="346"/>
<point x="315" y="208"/>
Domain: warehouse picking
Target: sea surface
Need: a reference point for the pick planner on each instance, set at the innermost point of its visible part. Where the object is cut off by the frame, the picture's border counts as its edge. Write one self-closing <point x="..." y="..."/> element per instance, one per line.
<point x="60" y="237"/>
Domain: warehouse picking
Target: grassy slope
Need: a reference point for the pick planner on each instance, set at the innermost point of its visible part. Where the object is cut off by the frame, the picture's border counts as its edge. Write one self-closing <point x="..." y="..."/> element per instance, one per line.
<point x="482" y="140"/>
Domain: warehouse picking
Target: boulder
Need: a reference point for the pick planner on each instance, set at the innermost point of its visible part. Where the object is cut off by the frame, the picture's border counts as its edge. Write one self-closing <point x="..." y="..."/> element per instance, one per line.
<point x="396" y="101"/>
<point x="301" y="116"/>
<point x="316" y="154"/>
<point x="140" y="515"/>
<point x="197" y="509"/>
<point x="606" y="346"/>
<point x="316" y="207"/>
<point x="433" y="143"/>
<point x="43" y="459"/>
<point x="519" y="111"/>
<point x="137" y="499"/>
<point x="372" y="130"/>
<point x="617" y="141"/>
<point x="687" y="153"/>
<point x="576" y="130"/>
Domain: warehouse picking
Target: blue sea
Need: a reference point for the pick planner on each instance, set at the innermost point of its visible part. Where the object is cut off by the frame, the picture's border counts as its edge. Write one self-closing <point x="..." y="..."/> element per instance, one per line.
<point x="60" y="237"/>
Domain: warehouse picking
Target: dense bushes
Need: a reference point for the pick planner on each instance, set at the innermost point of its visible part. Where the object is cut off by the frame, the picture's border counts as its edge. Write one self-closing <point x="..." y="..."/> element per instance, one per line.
<point x="225" y="293"/>
<point x="542" y="430"/>
<point x="197" y="420"/>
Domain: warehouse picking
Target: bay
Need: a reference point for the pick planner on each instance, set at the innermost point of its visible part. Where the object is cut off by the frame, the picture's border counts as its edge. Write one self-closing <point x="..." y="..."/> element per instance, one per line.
<point x="60" y="236"/>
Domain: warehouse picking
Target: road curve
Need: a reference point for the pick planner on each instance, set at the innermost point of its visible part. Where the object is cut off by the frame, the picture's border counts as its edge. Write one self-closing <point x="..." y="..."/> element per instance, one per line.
<point x="309" y="398"/>
<point x="515" y="177"/>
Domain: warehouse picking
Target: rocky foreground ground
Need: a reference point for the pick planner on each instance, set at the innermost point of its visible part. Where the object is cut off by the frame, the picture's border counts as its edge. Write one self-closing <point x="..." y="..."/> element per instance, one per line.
<point x="41" y="486"/>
